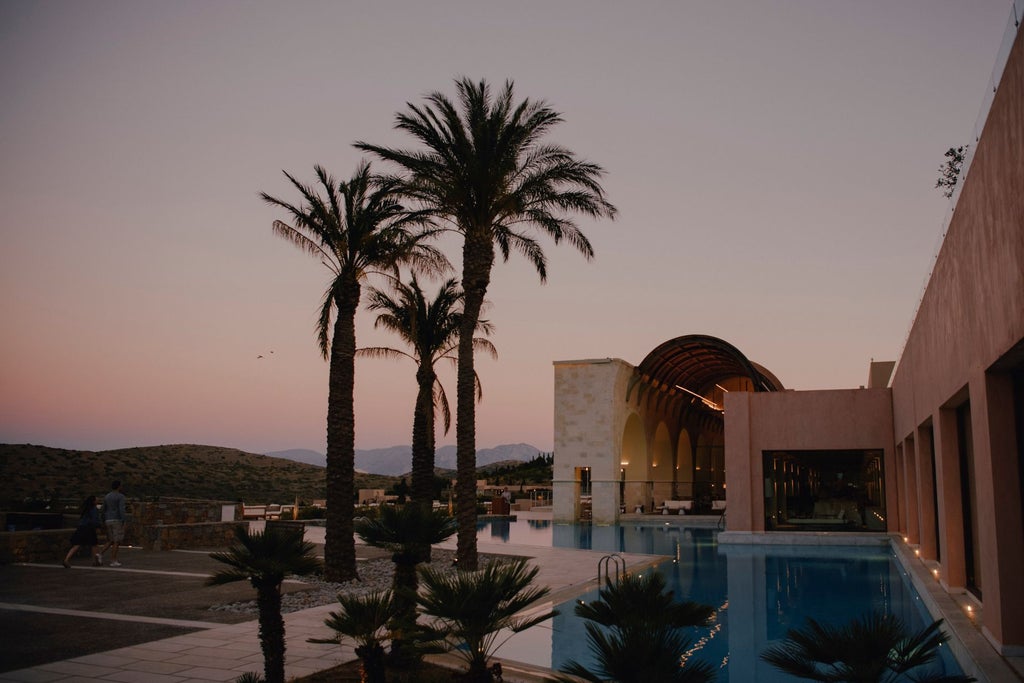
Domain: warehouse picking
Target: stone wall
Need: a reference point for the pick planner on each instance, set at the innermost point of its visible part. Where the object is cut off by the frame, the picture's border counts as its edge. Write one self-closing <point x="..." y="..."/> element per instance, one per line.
<point x="204" y="535"/>
<point x="34" y="546"/>
<point x="182" y="511"/>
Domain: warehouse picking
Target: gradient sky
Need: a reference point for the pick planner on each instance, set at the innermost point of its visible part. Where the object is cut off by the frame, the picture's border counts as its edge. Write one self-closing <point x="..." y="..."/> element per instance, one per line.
<point x="773" y="163"/>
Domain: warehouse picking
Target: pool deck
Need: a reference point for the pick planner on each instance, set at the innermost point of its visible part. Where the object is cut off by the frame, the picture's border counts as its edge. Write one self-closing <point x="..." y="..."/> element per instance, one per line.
<point x="211" y="652"/>
<point x="215" y="652"/>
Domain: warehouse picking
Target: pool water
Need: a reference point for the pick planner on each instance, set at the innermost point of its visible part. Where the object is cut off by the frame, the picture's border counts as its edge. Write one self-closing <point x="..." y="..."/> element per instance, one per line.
<point x="758" y="592"/>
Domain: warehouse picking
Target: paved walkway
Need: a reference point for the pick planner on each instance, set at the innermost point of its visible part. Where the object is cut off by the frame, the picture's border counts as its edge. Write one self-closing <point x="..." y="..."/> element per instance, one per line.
<point x="211" y="651"/>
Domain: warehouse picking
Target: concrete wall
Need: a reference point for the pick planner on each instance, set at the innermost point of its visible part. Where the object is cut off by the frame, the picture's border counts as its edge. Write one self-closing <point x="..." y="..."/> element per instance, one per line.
<point x="798" y="421"/>
<point x="966" y="347"/>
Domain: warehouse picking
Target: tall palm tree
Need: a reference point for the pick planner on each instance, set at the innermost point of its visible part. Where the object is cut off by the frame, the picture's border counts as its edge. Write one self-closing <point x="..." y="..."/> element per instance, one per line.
<point x="264" y="559"/>
<point x="431" y="329"/>
<point x="876" y="648"/>
<point x="471" y="609"/>
<point x="641" y="638"/>
<point x="357" y="228"/>
<point x="487" y="175"/>
<point x="405" y="530"/>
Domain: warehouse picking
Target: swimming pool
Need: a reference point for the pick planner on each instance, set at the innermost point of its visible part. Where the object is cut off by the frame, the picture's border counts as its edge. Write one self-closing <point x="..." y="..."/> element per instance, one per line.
<point x="758" y="591"/>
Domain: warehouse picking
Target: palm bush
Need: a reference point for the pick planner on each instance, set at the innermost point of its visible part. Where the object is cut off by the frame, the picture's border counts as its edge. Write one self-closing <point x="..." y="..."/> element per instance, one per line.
<point x="476" y="612"/>
<point x="874" y="649"/>
<point x="405" y="531"/>
<point x="264" y="559"/>
<point x="364" y="619"/>
<point x="634" y="632"/>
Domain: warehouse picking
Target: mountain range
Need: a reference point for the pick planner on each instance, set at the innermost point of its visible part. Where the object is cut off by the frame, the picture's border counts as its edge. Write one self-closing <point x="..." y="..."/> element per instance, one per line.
<point x="397" y="460"/>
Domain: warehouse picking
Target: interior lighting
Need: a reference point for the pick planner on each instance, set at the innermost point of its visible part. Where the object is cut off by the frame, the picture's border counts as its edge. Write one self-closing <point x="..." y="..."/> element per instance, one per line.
<point x="917" y="552"/>
<point x="709" y="403"/>
<point x="905" y="539"/>
<point x="935" y="573"/>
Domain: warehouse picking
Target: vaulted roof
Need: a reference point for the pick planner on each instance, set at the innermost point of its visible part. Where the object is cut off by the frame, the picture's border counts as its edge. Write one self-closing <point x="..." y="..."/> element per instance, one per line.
<point x="696" y="363"/>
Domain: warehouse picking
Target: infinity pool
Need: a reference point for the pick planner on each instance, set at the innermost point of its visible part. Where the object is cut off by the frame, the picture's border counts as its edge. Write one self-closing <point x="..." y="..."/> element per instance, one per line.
<point x="759" y="592"/>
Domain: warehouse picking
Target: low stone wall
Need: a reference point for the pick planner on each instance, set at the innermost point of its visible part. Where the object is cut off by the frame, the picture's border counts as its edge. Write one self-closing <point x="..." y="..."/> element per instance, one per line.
<point x="169" y="512"/>
<point x="51" y="545"/>
<point x="34" y="546"/>
<point x="189" y="536"/>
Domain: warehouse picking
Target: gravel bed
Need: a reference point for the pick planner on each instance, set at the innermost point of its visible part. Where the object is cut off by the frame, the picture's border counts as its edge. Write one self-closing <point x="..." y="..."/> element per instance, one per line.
<point x="374" y="575"/>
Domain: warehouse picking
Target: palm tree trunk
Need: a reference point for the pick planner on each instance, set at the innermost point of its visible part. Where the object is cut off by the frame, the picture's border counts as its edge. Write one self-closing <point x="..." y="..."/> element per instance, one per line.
<point x="422" y="437"/>
<point x="477" y="259"/>
<point x="403" y="653"/>
<point x="340" y="548"/>
<point x="268" y="600"/>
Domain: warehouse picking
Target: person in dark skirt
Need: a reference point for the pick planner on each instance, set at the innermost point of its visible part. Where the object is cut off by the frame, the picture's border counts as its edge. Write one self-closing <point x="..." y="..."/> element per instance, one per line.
<point x="85" y="533"/>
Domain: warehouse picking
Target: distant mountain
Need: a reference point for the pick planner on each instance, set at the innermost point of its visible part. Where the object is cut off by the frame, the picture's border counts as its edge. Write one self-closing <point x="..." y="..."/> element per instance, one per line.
<point x="397" y="460"/>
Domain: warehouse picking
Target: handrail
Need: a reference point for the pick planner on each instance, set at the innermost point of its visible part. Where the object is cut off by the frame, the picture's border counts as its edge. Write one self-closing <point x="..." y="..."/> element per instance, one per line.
<point x="606" y="563"/>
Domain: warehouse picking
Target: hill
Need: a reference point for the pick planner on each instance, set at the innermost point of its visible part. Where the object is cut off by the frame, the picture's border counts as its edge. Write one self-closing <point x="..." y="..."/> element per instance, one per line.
<point x="32" y="474"/>
<point x="397" y="460"/>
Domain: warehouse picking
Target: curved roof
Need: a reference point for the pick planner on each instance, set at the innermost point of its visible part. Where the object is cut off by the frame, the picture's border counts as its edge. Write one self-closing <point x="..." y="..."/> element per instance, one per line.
<point x="696" y="363"/>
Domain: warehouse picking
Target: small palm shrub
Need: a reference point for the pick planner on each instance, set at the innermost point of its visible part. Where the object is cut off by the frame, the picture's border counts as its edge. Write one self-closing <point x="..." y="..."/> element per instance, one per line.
<point x="472" y="609"/>
<point x="876" y="648"/>
<point x="264" y="559"/>
<point x="634" y="632"/>
<point x="364" y="619"/>
<point x="407" y="531"/>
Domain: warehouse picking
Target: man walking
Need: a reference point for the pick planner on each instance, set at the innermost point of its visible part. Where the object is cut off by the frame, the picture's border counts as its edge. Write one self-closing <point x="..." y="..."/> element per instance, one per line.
<point x="114" y="516"/>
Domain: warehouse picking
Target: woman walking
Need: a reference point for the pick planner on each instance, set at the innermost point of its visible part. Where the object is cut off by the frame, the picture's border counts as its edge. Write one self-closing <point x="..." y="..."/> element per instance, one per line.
<point x="85" y="533"/>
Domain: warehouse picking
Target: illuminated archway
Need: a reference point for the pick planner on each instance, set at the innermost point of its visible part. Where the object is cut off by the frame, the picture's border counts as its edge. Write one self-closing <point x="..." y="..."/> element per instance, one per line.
<point x="662" y="472"/>
<point x="635" y="489"/>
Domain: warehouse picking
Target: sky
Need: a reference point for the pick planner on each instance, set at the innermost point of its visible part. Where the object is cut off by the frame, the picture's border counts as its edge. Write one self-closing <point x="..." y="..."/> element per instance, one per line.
<point x="773" y="163"/>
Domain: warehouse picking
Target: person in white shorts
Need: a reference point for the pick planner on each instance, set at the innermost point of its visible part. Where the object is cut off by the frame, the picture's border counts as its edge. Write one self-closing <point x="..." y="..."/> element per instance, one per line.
<point x="114" y="516"/>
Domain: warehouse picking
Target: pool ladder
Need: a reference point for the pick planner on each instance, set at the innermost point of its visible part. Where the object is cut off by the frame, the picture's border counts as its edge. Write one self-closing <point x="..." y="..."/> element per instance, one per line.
<point x="605" y="566"/>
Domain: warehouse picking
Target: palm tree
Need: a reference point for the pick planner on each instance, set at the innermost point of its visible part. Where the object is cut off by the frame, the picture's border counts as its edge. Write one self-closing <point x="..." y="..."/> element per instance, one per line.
<point x="405" y="531"/>
<point x="430" y="329"/>
<point x="634" y="633"/>
<point x="357" y="228"/>
<point x="364" y="619"/>
<point x="471" y="609"/>
<point x="264" y="559"/>
<point x="487" y="175"/>
<point x="874" y="649"/>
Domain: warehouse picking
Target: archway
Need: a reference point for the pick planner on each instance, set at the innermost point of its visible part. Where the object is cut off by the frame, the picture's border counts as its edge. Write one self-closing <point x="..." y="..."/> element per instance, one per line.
<point x="634" y="489"/>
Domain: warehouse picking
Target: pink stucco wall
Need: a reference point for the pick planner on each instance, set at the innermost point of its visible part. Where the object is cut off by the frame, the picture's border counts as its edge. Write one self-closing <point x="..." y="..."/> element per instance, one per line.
<point x="798" y="421"/>
<point x="966" y="346"/>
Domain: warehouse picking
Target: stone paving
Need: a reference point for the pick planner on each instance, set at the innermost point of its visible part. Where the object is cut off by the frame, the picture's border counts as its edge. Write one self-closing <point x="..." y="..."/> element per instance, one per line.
<point x="212" y="651"/>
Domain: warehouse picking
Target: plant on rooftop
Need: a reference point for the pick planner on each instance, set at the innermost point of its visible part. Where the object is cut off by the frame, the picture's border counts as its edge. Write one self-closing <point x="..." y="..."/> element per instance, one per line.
<point x="430" y="328"/>
<point x="634" y="632"/>
<point x="949" y="172"/>
<point x="356" y="229"/>
<point x="471" y="609"/>
<point x="264" y="559"/>
<point x="876" y="648"/>
<point x="486" y="174"/>
<point x="405" y="530"/>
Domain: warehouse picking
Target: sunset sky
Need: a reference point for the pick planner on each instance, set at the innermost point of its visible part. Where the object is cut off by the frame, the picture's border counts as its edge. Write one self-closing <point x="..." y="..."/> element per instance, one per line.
<point x="773" y="163"/>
